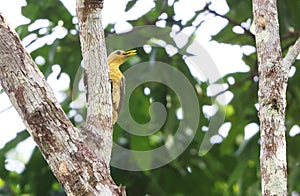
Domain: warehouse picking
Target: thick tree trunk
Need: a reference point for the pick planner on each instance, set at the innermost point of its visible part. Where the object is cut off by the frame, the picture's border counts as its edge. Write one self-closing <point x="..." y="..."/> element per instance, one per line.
<point x="79" y="158"/>
<point x="273" y="76"/>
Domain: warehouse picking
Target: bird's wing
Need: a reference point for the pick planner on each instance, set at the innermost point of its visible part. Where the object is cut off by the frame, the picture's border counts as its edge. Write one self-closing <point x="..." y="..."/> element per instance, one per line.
<point x="118" y="94"/>
<point x="122" y="93"/>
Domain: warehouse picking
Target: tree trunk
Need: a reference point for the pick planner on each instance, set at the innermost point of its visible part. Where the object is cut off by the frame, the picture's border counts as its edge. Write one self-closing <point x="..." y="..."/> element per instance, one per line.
<point x="273" y="76"/>
<point x="79" y="158"/>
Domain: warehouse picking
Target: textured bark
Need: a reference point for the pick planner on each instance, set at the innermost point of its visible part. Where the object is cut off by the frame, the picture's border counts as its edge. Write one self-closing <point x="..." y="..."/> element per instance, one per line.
<point x="79" y="158"/>
<point x="273" y="77"/>
<point x="96" y="73"/>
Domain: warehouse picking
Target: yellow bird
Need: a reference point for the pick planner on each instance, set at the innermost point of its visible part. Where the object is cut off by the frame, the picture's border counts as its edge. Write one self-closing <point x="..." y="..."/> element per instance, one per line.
<point x="115" y="59"/>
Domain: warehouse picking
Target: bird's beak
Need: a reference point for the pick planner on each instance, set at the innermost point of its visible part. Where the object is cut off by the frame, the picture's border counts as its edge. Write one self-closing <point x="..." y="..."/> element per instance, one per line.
<point x="130" y="53"/>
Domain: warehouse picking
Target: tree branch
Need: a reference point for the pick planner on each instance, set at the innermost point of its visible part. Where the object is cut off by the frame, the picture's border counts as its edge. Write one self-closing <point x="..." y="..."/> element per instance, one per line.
<point x="231" y="21"/>
<point x="79" y="158"/>
<point x="292" y="54"/>
<point x="98" y="120"/>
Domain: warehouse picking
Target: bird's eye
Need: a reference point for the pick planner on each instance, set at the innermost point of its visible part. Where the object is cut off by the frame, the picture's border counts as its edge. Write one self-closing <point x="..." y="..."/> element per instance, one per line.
<point x="118" y="52"/>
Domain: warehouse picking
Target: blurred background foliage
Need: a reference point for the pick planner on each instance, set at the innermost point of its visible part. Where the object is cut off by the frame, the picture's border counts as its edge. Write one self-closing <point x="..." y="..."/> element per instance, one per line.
<point x="231" y="167"/>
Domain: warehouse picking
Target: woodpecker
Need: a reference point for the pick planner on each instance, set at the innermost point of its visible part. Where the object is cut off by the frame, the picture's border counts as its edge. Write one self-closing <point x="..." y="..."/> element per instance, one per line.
<point x="115" y="59"/>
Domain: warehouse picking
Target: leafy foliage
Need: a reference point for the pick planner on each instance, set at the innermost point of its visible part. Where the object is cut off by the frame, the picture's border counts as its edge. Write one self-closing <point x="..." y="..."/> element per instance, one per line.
<point x="230" y="167"/>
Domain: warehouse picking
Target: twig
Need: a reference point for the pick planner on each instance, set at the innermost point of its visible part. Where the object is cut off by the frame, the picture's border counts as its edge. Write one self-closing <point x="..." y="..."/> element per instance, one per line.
<point x="5" y="109"/>
<point x="247" y="31"/>
<point x="292" y="54"/>
<point x="291" y="35"/>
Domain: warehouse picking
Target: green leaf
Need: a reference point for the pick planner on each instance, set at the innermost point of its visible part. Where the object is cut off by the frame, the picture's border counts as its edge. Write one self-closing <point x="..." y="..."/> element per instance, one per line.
<point x="130" y="4"/>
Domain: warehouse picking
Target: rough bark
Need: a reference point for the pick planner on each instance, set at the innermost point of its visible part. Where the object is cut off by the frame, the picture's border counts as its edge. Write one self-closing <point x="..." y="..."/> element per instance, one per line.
<point x="96" y="73"/>
<point x="273" y="76"/>
<point x="79" y="158"/>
